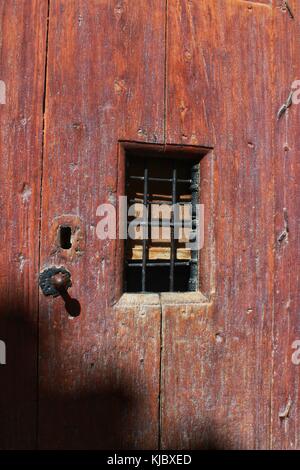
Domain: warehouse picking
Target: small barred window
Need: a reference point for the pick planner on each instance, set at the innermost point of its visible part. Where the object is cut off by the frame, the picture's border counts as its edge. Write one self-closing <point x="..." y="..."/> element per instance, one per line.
<point x="163" y="194"/>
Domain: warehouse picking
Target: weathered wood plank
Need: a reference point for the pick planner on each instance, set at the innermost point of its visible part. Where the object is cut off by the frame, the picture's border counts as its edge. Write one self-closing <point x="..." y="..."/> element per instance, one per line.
<point x="22" y="62"/>
<point x="286" y="376"/>
<point x="219" y="94"/>
<point x="105" y="82"/>
<point x="264" y="2"/>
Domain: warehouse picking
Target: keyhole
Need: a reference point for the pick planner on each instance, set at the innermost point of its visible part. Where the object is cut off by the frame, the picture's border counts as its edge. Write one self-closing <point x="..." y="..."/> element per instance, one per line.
<point x="65" y="237"/>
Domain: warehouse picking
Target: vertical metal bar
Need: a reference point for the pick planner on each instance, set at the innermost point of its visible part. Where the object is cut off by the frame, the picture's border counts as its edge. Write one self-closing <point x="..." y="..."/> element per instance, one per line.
<point x="126" y="244"/>
<point x="173" y="246"/>
<point x="193" y="280"/>
<point x="145" y="229"/>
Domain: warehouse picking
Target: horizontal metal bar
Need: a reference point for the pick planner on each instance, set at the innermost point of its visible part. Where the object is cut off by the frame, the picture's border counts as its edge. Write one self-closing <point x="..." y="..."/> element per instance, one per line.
<point x="164" y="223"/>
<point x="168" y="203"/>
<point x="164" y="180"/>
<point x="160" y="264"/>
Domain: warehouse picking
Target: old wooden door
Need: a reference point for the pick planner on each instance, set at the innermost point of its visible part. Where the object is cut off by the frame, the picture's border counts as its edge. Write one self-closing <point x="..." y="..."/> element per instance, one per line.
<point x="149" y="371"/>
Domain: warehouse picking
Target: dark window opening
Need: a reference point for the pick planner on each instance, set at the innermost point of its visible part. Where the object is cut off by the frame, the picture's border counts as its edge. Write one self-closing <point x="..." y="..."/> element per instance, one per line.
<point x="158" y="257"/>
<point x="65" y="237"/>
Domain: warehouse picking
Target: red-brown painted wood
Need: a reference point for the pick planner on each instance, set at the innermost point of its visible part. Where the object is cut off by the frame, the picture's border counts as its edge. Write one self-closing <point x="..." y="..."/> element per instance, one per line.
<point x="217" y="358"/>
<point x="99" y="372"/>
<point x="225" y="378"/>
<point x="22" y="63"/>
<point x="286" y="375"/>
<point x="263" y="2"/>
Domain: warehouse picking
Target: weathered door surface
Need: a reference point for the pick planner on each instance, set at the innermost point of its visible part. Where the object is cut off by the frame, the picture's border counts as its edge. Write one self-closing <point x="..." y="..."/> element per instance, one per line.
<point x="212" y="370"/>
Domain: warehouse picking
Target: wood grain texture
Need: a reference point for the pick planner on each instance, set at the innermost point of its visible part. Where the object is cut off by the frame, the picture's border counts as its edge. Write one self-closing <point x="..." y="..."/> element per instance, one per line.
<point x="22" y="63"/>
<point x="220" y="94"/>
<point x="105" y="82"/>
<point x="263" y="2"/>
<point x="285" y="396"/>
<point x="226" y="377"/>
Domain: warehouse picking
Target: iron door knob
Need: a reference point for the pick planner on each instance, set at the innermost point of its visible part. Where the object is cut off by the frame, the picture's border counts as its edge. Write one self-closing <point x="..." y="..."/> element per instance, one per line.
<point x="60" y="281"/>
<point x="55" y="281"/>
